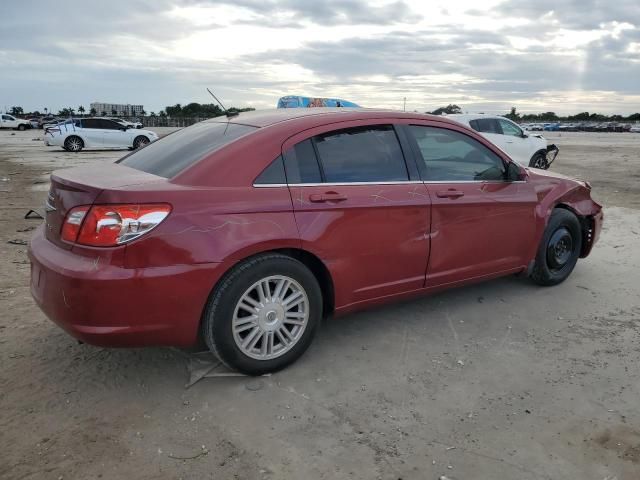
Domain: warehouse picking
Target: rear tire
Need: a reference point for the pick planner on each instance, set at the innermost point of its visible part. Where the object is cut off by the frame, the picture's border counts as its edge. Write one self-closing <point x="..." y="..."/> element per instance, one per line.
<point x="263" y="314"/>
<point x="73" y="144"/>
<point x="559" y="249"/>
<point x="140" y="141"/>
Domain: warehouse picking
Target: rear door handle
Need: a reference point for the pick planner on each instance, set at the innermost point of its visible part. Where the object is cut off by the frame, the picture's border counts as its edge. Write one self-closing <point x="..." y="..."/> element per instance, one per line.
<point x="327" y="197"/>
<point x="449" y="193"/>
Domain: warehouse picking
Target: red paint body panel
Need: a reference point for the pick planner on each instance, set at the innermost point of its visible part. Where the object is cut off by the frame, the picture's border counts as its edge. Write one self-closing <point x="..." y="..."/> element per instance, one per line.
<point x="379" y="243"/>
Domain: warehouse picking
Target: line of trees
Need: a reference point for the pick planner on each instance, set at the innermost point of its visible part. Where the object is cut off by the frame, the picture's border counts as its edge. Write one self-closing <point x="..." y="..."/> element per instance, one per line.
<point x="205" y="110"/>
<point x="202" y="110"/>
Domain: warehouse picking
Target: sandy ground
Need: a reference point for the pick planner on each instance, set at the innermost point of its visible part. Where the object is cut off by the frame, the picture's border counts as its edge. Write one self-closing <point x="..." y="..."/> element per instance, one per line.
<point x="503" y="380"/>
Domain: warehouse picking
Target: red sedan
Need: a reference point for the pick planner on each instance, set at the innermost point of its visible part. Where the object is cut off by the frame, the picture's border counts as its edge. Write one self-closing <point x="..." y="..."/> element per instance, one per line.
<point x="246" y="231"/>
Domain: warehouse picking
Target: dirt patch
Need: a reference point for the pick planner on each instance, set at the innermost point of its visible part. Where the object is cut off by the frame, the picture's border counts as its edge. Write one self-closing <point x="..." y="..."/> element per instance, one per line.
<point x="621" y="439"/>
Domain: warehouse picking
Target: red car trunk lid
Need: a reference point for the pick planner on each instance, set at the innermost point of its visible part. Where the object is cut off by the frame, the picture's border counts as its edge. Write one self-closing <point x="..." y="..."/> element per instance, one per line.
<point x="81" y="186"/>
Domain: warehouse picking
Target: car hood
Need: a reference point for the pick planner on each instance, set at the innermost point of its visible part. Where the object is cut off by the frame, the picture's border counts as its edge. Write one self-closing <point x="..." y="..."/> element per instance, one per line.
<point x="545" y="175"/>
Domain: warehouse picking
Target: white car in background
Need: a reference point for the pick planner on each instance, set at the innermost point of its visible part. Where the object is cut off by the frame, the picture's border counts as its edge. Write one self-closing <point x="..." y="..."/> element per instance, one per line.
<point x="74" y="135"/>
<point x="126" y="123"/>
<point x="9" y="121"/>
<point x="529" y="150"/>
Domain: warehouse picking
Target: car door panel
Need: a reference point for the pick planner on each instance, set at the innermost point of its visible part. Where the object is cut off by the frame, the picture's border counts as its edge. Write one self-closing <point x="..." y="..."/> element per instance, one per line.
<point x="381" y="232"/>
<point x="479" y="226"/>
<point x="518" y="145"/>
<point x="91" y="132"/>
<point x="113" y="136"/>
<point x="480" y="232"/>
<point x="372" y="236"/>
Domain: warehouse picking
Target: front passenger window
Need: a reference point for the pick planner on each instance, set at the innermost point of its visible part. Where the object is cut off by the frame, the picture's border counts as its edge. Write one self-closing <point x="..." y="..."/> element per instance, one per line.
<point x="509" y="128"/>
<point x="450" y="156"/>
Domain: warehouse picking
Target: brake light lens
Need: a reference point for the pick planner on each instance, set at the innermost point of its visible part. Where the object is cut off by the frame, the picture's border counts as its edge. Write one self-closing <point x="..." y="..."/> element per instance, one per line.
<point x="111" y="225"/>
<point x="71" y="225"/>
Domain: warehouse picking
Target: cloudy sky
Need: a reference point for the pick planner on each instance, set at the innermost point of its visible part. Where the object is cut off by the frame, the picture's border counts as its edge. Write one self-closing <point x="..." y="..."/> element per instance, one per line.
<point x="565" y="56"/>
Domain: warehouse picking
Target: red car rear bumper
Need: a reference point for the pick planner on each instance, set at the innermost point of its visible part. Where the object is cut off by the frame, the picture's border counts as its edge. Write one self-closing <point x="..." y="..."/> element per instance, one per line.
<point x="111" y="306"/>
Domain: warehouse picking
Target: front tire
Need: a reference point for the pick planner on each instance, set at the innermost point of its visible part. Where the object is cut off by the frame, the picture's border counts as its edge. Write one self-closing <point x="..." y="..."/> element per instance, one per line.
<point x="140" y="141"/>
<point x="263" y="315"/>
<point x="73" y="144"/>
<point x="559" y="249"/>
<point x="539" y="160"/>
<point x="22" y="127"/>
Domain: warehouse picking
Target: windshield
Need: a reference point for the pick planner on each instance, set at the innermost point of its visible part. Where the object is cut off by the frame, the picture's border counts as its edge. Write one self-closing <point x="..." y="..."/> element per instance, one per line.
<point x="174" y="153"/>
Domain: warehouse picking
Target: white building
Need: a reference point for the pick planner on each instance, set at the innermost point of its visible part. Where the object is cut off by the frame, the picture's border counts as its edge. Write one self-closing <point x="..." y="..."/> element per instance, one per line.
<point x="122" y="110"/>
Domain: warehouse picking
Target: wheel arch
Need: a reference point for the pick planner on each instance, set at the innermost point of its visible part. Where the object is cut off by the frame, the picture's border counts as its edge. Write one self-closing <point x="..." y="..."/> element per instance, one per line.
<point x="586" y="226"/>
<point x="141" y="135"/>
<point x="540" y="151"/>
<point x="311" y="261"/>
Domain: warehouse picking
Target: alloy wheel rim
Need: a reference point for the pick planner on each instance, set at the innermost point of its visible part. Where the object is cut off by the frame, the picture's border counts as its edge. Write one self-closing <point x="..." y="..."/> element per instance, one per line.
<point x="559" y="249"/>
<point x="74" y="145"/>
<point x="270" y="317"/>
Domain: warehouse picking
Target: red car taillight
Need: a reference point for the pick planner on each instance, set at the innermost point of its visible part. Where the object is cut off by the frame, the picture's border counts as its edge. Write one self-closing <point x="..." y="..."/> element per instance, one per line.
<point x="111" y="225"/>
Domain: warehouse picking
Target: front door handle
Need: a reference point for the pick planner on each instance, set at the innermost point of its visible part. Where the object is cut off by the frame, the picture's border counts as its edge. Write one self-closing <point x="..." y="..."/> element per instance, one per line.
<point x="451" y="193"/>
<point x="327" y="197"/>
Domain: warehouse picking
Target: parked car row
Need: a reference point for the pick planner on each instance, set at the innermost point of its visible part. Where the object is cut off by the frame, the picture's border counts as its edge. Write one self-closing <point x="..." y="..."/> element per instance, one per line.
<point x="581" y="127"/>
<point x="246" y="232"/>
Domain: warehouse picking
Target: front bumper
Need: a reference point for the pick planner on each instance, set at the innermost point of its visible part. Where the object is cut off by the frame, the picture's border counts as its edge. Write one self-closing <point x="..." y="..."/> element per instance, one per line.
<point x="112" y="306"/>
<point x="592" y="232"/>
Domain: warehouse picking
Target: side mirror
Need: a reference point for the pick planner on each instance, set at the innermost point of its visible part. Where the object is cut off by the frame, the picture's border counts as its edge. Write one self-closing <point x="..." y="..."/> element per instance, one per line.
<point x="515" y="172"/>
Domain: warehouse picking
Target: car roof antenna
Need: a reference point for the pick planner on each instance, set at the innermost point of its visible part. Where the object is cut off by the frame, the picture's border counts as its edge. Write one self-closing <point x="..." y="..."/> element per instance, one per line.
<point x="226" y="112"/>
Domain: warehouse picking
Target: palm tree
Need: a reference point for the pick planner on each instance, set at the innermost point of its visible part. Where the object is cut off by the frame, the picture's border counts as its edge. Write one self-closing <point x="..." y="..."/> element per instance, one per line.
<point x="93" y="112"/>
<point x="142" y="112"/>
<point x="81" y="110"/>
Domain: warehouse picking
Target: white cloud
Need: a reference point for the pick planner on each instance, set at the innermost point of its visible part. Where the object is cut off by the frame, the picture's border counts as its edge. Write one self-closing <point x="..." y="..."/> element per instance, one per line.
<point x="536" y="55"/>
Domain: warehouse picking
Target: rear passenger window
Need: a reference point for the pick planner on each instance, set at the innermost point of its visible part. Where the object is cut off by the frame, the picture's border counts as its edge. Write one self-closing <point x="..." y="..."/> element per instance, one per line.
<point x="486" y="125"/>
<point x="454" y="157"/>
<point x="301" y="164"/>
<point x="363" y="154"/>
<point x="273" y="174"/>
<point x="176" y="152"/>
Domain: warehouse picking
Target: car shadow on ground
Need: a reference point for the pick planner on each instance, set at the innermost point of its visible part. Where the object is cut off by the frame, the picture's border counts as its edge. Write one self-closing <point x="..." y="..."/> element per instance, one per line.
<point x="342" y="340"/>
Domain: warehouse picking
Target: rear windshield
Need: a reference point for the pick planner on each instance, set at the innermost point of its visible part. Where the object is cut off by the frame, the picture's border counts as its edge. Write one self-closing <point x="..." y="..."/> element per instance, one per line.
<point x="172" y="154"/>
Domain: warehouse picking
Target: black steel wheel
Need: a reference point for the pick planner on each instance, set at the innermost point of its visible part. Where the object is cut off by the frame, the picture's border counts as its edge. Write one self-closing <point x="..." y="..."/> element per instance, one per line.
<point x="559" y="249"/>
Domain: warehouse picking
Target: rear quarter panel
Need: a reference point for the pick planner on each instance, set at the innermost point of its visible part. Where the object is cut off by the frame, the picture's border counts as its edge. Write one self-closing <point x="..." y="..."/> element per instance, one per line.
<point x="210" y="225"/>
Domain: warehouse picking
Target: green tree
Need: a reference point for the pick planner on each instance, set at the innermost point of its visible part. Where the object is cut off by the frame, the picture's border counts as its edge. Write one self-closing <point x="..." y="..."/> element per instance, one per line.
<point x="81" y="110"/>
<point x="152" y="114"/>
<point x="175" y="111"/>
<point x="16" y="111"/>
<point x="104" y="114"/>
<point x="93" y="112"/>
<point x="449" y="110"/>
<point x="513" y="115"/>
<point x="114" y="112"/>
